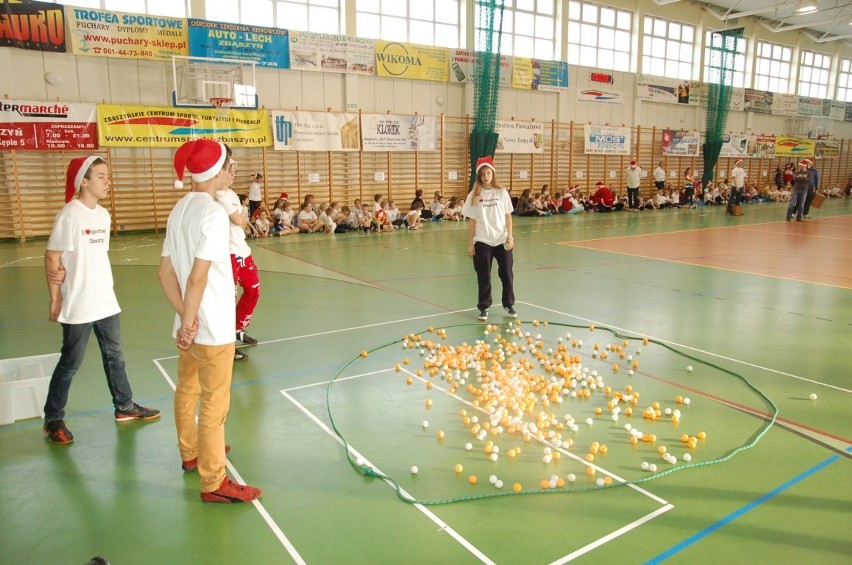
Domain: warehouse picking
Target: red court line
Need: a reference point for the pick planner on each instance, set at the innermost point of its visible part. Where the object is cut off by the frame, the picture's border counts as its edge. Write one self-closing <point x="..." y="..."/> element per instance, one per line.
<point x="744" y="408"/>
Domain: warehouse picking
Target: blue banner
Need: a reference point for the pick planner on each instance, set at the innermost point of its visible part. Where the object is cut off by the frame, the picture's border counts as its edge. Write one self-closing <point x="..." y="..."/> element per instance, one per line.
<point x="266" y="46"/>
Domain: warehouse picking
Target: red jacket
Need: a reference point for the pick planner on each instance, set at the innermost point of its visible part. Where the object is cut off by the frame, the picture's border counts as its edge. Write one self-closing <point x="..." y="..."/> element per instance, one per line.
<point x="603" y="196"/>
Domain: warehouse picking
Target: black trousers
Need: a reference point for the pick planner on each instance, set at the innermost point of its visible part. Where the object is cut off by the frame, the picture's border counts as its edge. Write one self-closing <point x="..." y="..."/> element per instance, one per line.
<point x="483" y="256"/>
<point x="633" y="197"/>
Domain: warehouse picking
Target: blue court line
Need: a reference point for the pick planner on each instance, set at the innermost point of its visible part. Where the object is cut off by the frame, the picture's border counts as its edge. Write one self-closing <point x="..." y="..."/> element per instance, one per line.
<point x="747" y="508"/>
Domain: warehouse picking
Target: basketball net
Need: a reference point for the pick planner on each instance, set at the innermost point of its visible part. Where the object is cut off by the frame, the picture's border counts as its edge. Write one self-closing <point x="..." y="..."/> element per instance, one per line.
<point x="222" y="106"/>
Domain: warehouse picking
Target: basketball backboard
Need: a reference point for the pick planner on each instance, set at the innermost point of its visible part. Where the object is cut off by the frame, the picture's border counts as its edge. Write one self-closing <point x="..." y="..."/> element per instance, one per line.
<point x="197" y="80"/>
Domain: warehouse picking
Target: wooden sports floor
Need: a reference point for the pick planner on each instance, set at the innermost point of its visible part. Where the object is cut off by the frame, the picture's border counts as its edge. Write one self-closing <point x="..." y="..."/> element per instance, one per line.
<point x="758" y="308"/>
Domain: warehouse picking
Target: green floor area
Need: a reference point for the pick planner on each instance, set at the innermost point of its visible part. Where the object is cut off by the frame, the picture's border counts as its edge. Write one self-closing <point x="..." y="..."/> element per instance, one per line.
<point x="753" y="343"/>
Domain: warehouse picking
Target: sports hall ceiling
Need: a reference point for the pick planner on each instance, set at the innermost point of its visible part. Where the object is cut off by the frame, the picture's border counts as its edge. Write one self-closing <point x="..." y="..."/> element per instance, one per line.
<point x="831" y="20"/>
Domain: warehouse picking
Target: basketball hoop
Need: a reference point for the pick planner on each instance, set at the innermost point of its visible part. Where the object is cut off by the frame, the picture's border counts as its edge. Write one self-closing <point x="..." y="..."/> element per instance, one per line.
<point x="222" y="106"/>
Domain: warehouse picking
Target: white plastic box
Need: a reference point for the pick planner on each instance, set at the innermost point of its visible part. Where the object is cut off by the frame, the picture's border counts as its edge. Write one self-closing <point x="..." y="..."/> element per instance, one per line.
<point x="23" y="386"/>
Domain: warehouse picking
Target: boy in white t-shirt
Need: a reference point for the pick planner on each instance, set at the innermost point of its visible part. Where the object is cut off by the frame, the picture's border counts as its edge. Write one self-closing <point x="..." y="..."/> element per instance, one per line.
<point x="196" y="277"/>
<point x="82" y="298"/>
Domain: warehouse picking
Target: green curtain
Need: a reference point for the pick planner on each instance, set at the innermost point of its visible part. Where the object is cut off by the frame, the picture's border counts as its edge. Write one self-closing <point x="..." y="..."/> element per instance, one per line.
<point x="723" y="50"/>
<point x="486" y="85"/>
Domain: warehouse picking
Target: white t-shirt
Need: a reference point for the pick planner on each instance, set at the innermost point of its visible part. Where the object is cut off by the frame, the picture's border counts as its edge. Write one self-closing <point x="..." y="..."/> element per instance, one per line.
<point x="229" y="200"/>
<point x="659" y="175"/>
<point x="490" y="214"/>
<point x="307" y="216"/>
<point x="198" y="227"/>
<point x="633" y="176"/>
<point x="739" y="175"/>
<point x="255" y="193"/>
<point x="82" y="235"/>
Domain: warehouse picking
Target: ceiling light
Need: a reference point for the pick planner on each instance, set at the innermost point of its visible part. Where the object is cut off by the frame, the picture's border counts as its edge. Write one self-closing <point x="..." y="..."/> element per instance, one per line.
<point x="807" y="9"/>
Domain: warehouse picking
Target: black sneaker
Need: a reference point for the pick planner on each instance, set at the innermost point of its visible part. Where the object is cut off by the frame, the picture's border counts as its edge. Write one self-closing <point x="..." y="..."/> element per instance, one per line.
<point x="510" y="312"/>
<point x="136" y="412"/>
<point x="57" y="433"/>
<point x="239" y="355"/>
<point x="483" y="315"/>
<point x="246" y="338"/>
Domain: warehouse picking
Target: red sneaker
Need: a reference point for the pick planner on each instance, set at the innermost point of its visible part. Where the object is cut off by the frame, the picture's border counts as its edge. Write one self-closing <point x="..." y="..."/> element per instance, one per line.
<point x="231" y="492"/>
<point x="192" y="464"/>
<point x="58" y="433"/>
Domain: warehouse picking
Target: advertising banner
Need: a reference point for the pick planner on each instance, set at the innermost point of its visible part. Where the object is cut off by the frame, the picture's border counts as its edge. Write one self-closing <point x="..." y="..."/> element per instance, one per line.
<point x="389" y="132"/>
<point x="761" y="146"/>
<point x="827" y="148"/>
<point x="462" y="67"/>
<point x="737" y="99"/>
<point x="786" y="104"/>
<point x="552" y="75"/>
<point x="101" y="33"/>
<point x="809" y="106"/>
<point x="797" y="147"/>
<point x="659" y="89"/>
<point x="759" y="101"/>
<point x="315" y="131"/>
<point x="600" y="96"/>
<point x="266" y="46"/>
<point x="47" y="126"/>
<point x="522" y="73"/>
<point x="519" y="137"/>
<point x="681" y="143"/>
<point x="332" y="53"/>
<point x="406" y="60"/>
<point x="734" y="145"/>
<point x="847" y="114"/>
<point x="606" y="140"/>
<point x="39" y="26"/>
<point x="837" y="110"/>
<point x="150" y="126"/>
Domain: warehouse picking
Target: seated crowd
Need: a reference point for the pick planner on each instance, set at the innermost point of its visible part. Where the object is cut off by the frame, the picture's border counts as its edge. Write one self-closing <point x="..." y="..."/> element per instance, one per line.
<point x="384" y="216"/>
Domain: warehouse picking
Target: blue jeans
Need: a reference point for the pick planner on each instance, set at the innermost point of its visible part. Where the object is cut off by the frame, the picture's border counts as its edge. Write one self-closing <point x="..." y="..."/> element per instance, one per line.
<point x="797" y="203"/>
<point x="75" y="338"/>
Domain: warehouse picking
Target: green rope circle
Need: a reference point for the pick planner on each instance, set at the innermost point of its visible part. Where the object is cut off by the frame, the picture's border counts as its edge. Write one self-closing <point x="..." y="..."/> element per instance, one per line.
<point x="368" y="471"/>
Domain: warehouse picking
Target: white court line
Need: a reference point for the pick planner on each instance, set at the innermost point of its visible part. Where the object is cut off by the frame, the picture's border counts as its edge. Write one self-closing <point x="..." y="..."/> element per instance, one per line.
<point x="573" y="456"/>
<point x="291" y="549"/>
<point x="597" y="543"/>
<point x="571" y="556"/>
<point x="429" y="514"/>
<point x="709" y="353"/>
<point x="353" y="328"/>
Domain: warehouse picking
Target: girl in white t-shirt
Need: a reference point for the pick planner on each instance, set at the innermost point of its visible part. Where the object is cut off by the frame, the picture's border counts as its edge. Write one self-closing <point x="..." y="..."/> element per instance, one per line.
<point x="284" y="217"/>
<point x="453" y="210"/>
<point x="262" y="224"/>
<point x="308" y="221"/>
<point x="490" y="237"/>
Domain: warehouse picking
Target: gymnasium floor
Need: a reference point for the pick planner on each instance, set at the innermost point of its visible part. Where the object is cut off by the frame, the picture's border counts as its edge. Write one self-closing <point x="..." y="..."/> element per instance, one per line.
<point x="759" y="308"/>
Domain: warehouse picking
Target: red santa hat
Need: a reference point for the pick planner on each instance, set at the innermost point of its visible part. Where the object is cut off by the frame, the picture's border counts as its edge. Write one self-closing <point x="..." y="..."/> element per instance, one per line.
<point x="203" y="158"/>
<point x="600" y="183"/>
<point x="485" y="162"/>
<point x="633" y="163"/>
<point x="284" y="196"/>
<point x="77" y="169"/>
<point x="738" y="161"/>
<point x="805" y="162"/>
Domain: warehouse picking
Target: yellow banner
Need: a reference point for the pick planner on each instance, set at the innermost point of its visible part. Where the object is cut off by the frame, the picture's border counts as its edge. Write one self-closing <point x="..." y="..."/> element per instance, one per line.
<point x="101" y="33"/>
<point x="147" y="126"/>
<point x="522" y="73"/>
<point x="794" y="146"/>
<point x="406" y="60"/>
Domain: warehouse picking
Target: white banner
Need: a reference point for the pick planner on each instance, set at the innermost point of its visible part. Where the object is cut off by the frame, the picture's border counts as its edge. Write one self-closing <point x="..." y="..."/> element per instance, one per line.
<point x="463" y="63"/>
<point x="681" y="143"/>
<point x="315" y="131"/>
<point x="600" y="96"/>
<point x="786" y="105"/>
<point x="399" y="132"/>
<point x="331" y="53"/>
<point x="520" y="137"/>
<point x="659" y="89"/>
<point x="737" y="99"/>
<point x="734" y="145"/>
<point x="837" y="110"/>
<point x="608" y="140"/>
